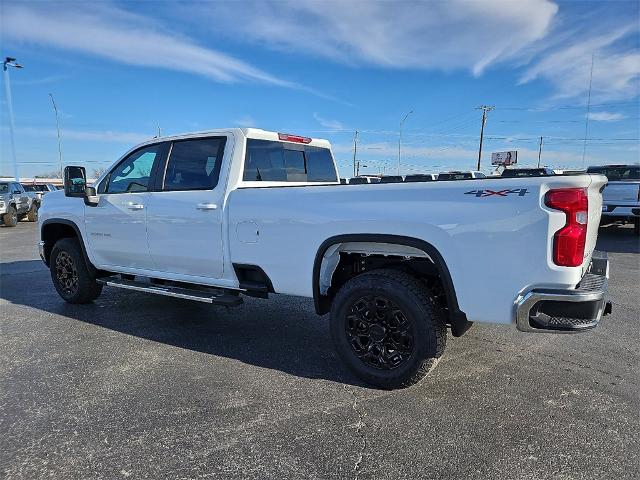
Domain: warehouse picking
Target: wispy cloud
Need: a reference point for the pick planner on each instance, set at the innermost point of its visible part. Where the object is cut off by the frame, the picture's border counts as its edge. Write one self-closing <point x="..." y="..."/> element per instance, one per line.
<point x="616" y="64"/>
<point x="40" y="81"/>
<point x="431" y="35"/>
<point x="330" y="124"/>
<point x="550" y="42"/>
<point x="606" y="116"/>
<point x="109" y="32"/>
<point x="246" y="121"/>
<point x="109" y="136"/>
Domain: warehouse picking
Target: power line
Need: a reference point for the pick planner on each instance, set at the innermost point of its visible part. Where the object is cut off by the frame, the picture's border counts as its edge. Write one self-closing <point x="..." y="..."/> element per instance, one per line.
<point x="567" y="107"/>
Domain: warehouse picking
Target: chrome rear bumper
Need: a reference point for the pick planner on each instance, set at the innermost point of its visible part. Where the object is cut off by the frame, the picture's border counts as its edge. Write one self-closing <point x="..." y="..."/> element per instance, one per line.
<point x="567" y="311"/>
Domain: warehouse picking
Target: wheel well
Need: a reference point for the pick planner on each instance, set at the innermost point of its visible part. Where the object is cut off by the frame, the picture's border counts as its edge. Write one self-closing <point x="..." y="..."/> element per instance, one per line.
<point x="51" y="233"/>
<point x="342" y="258"/>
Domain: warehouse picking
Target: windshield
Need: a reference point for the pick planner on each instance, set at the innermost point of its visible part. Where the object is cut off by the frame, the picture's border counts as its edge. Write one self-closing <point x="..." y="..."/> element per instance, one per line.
<point x="4" y="187"/>
<point x="613" y="173"/>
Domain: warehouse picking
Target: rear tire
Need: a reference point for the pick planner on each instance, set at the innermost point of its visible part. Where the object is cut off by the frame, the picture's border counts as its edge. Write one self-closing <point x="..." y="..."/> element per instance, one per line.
<point x="10" y="218"/>
<point x="32" y="216"/>
<point x="70" y="274"/>
<point x="387" y="328"/>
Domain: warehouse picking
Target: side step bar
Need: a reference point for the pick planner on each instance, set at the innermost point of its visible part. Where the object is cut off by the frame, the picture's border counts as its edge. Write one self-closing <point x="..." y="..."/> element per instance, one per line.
<point x="218" y="297"/>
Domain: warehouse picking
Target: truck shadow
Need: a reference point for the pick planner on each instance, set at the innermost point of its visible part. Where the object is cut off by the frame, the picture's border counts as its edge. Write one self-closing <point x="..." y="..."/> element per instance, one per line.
<point x="616" y="238"/>
<point x="282" y="333"/>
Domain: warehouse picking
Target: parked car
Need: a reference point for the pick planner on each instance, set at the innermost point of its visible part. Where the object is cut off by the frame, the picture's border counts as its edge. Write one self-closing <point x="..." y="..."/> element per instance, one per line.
<point x="36" y="191"/>
<point x="527" y="172"/>
<point x="15" y="204"/>
<point x="391" y="179"/>
<point x="621" y="196"/>
<point x="421" y="177"/>
<point x="456" y="175"/>
<point x="361" y="180"/>
<point x="40" y="187"/>
<point x="249" y="212"/>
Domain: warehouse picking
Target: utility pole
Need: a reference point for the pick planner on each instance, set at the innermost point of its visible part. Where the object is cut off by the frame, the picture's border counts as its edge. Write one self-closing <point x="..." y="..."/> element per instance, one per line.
<point x="485" y="109"/>
<point x="540" y="152"/>
<point x="55" y="109"/>
<point x="400" y="137"/>
<point x="11" y="62"/>
<point x="355" y="150"/>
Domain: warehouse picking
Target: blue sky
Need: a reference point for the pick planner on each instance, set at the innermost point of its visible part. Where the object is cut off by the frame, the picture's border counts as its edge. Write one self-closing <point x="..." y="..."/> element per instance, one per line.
<point x="119" y="69"/>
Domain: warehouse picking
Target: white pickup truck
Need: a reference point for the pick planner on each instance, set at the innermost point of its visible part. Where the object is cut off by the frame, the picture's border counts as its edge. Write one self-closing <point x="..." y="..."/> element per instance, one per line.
<point x="217" y="215"/>
<point x="621" y="198"/>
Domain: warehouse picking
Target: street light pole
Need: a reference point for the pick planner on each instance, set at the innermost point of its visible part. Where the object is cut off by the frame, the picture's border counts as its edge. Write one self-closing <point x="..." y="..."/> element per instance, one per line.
<point x="400" y="137"/>
<point x="55" y="109"/>
<point x="11" y="62"/>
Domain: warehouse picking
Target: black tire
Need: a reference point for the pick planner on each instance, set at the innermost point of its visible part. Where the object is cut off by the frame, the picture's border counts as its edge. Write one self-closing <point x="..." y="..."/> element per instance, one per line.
<point x="32" y="215"/>
<point x="70" y="274"/>
<point x="10" y="218"/>
<point x="636" y="226"/>
<point x="410" y="322"/>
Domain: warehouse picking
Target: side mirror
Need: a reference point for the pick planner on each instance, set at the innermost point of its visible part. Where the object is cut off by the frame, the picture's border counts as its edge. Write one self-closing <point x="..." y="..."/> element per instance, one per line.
<point x="91" y="197"/>
<point x="75" y="181"/>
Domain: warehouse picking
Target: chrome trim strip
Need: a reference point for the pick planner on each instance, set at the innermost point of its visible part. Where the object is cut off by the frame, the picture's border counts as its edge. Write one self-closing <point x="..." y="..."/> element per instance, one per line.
<point x="159" y="291"/>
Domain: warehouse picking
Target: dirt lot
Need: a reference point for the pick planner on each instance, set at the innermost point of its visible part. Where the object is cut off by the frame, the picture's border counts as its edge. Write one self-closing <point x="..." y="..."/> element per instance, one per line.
<point x="145" y="387"/>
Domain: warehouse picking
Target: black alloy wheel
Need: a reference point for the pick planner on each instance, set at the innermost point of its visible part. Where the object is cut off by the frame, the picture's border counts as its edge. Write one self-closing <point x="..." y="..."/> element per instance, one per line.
<point x="66" y="274"/>
<point x="379" y="332"/>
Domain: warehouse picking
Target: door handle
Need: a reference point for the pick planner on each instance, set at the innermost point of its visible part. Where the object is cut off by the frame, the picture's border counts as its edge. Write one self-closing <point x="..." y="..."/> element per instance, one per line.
<point x="207" y="206"/>
<point x="135" y="206"/>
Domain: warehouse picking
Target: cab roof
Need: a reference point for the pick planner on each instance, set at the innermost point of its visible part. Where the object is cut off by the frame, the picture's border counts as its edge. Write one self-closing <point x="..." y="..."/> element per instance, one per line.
<point x="248" y="132"/>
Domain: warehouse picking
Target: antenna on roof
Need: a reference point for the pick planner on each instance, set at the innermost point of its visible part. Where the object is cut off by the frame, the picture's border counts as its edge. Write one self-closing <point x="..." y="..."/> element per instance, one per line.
<point x="586" y="121"/>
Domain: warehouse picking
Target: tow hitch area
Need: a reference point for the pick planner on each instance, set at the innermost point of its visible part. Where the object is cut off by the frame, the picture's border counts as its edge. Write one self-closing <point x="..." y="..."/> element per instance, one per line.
<point x="567" y="311"/>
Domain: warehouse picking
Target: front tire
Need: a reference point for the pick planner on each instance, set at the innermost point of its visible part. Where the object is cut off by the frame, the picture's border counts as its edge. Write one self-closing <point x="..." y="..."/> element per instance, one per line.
<point x="32" y="216"/>
<point x="10" y="218"/>
<point x="387" y="328"/>
<point x="70" y="274"/>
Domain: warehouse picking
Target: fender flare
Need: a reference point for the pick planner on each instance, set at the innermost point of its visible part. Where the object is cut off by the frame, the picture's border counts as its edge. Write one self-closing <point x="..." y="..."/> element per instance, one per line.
<point x="69" y="223"/>
<point x="457" y="318"/>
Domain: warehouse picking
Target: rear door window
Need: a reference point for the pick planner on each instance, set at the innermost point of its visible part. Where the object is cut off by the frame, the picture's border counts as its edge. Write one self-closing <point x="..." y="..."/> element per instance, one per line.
<point x="194" y="164"/>
<point x="270" y="161"/>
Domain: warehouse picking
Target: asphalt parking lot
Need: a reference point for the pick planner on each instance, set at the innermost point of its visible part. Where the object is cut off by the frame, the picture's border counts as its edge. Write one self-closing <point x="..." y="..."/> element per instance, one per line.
<point x="141" y="386"/>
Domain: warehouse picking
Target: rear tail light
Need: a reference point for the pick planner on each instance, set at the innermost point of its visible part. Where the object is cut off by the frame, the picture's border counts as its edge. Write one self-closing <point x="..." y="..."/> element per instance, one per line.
<point x="285" y="137"/>
<point x="569" y="241"/>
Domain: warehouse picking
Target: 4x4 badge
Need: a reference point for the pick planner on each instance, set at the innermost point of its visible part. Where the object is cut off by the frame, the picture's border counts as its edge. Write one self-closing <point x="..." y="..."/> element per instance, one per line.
<point x="521" y="192"/>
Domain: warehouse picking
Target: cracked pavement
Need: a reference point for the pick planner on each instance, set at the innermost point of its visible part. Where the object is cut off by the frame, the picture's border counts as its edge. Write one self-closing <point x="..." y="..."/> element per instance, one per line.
<point x="138" y="386"/>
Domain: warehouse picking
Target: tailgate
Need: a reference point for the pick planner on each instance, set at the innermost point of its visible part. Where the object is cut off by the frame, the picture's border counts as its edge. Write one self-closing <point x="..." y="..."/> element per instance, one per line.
<point x="621" y="193"/>
<point x="594" y="192"/>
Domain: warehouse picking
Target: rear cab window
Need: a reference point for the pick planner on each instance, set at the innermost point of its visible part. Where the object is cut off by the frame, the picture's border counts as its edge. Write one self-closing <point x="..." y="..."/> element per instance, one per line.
<point x="278" y="161"/>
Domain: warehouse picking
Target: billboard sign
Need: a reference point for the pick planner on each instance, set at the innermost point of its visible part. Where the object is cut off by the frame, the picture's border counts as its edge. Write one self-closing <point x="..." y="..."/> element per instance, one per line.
<point x="504" y="158"/>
